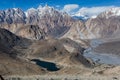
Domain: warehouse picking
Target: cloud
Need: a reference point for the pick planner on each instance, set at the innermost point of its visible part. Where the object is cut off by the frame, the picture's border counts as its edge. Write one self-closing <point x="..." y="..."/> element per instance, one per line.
<point x="70" y="7"/>
<point x="92" y="11"/>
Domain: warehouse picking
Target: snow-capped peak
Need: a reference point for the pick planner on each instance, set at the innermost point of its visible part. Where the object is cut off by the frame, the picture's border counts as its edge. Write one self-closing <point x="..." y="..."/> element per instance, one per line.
<point x="31" y="11"/>
<point x="111" y="12"/>
<point x="15" y="9"/>
<point x="93" y="12"/>
<point x="42" y="11"/>
<point x="84" y="15"/>
<point x="114" y="11"/>
<point x="45" y="10"/>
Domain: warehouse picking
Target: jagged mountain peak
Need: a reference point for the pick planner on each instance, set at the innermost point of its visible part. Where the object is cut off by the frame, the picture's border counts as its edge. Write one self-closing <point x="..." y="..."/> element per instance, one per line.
<point x="43" y="10"/>
<point x="46" y="7"/>
<point x="32" y="9"/>
<point x="15" y="10"/>
<point x="12" y="15"/>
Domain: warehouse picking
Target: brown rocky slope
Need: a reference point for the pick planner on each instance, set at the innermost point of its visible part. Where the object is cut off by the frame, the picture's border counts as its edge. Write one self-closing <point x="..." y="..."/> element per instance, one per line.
<point x="16" y="54"/>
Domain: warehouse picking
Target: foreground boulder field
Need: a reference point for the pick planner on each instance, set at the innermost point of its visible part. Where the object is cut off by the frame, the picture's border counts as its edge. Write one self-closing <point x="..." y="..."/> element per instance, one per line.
<point x="33" y="40"/>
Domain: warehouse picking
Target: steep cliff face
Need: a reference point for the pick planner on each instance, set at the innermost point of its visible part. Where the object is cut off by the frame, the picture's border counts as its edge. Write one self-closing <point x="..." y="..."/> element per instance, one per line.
<point x="7" y="39"/>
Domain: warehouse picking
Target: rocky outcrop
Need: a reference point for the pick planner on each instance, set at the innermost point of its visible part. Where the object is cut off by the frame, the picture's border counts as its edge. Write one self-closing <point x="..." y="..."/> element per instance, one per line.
<point x="31" y="32"/>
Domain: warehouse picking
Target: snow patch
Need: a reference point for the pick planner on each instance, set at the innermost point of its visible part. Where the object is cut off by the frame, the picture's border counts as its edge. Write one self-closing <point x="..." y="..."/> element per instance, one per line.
<point x="111" y="12"/>
<point x="93" y="17"/>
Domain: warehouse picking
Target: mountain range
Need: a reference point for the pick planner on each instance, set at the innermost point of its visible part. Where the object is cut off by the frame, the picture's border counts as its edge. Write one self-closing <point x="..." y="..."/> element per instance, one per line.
<point x="47" y="21"/>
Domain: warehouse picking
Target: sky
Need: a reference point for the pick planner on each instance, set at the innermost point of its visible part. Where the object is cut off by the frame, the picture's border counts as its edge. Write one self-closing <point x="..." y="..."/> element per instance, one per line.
<point x="72" y="7"/>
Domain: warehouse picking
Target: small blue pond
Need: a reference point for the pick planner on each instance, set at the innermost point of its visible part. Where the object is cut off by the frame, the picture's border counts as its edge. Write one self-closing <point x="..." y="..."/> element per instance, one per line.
<point x="48" y="65"/>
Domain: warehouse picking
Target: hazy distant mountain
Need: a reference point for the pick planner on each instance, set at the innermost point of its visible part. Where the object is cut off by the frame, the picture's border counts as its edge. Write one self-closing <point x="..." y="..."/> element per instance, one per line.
<point x="105" y="25"/>
<point x="113" y="12"/>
